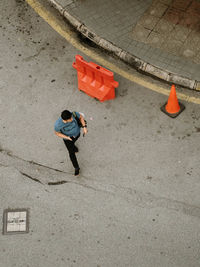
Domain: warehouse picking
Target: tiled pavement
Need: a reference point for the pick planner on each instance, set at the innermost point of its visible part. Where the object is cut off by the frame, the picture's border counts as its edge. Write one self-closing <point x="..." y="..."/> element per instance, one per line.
<point x="164" y="33"/>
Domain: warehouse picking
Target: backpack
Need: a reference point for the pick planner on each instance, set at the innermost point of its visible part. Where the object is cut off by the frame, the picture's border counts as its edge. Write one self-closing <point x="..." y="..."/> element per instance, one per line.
<point x="78" y="120"/>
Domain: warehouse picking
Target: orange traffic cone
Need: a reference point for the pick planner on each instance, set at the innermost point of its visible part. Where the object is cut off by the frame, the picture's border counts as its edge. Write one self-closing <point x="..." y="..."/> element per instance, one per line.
<point x="172" y="108"/>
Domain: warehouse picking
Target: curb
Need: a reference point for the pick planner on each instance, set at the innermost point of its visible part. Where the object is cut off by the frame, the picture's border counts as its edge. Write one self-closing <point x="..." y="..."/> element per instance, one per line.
<point x="132" y="60"/>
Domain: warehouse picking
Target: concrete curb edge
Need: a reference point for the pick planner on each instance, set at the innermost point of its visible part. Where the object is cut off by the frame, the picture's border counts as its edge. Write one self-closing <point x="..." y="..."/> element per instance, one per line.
<point x="132" y="60"/>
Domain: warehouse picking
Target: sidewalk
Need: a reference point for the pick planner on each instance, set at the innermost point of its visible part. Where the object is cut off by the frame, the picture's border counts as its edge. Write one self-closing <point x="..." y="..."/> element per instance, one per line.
<point x="159" y="37"/>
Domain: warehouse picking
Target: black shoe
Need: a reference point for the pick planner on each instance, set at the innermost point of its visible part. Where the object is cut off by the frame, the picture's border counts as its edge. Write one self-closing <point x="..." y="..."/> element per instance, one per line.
<point x="76" y="171"/>
<point x="75" y="149"/>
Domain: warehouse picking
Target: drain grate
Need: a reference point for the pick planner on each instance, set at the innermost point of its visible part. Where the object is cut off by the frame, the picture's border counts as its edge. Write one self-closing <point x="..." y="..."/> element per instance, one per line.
<point x="15" y="221"/>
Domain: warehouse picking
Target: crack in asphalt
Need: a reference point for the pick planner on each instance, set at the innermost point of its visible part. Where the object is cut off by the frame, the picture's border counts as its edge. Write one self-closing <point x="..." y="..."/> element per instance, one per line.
<point x="38" y="164"/>
<point x="140" y="199"/>
<point x="34" y="56"/>
<point x="10" y="154"/>
<point x="30" y="177"/>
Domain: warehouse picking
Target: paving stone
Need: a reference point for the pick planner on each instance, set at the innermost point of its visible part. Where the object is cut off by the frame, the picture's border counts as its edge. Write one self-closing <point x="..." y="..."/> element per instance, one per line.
<point x="140" y="33"/>
<point x="173" y="46"/>
<point x="197" y="58"/>
<point x="163" y="27"/>
<point x="190" y="20"/>
<point x="155" y="39"/>
<point x="193" y="40"/>
<point x="181" y="4"/>
<point x="148" y="21"/>
<point x="180" y="33"/>
<point x="189" y="53"/>
<point x="173" y="15"/>
<point x="158" y="9"/>
<point x="194" y="7"/>
<point x="166" y="2"/>
<point x="123" y="32"/>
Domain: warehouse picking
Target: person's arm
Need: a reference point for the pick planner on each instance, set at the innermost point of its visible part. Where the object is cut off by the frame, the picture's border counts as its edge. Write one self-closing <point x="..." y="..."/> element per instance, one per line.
<point x="63" y="136"/>
<point x="83" y="124"/>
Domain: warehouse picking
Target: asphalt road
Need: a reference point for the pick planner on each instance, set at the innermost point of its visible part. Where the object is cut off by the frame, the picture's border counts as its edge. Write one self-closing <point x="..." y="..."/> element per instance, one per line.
<point x="136" y="202"/>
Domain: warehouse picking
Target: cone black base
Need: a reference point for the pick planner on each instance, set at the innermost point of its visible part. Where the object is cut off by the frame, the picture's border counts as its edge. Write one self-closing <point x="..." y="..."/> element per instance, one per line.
<point x="172" y="115"/>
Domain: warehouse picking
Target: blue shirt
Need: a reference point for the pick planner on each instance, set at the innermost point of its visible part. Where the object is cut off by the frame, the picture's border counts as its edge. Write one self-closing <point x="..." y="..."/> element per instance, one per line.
<point x="69" y="128"/>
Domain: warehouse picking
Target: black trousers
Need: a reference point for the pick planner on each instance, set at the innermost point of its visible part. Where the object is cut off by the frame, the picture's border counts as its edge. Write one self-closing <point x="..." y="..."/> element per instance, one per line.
<point x="71" y="149"/>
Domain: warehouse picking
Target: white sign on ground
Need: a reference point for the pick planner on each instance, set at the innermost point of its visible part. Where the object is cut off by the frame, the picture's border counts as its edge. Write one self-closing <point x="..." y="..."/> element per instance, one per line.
<point x="15" y="221"/>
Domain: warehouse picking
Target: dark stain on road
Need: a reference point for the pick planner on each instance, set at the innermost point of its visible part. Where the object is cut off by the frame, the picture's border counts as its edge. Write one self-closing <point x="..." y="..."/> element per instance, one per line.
<point x="58" y="183"/>
<point x="123" y="92"/>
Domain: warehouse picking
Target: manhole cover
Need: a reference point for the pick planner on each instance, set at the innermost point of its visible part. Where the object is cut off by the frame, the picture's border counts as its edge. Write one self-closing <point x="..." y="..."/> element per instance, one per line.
<point x="15" y="221"/>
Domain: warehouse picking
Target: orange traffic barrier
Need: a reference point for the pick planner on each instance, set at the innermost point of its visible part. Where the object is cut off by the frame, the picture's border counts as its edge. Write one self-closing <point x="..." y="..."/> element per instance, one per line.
<point x="94" y="80"/>
<point x="172" y="108"/>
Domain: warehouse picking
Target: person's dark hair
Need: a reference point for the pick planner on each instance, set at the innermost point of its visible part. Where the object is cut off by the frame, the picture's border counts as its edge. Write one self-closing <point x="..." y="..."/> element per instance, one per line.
<point x="66" y="115"/>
